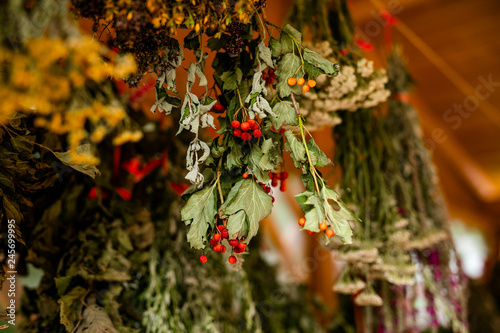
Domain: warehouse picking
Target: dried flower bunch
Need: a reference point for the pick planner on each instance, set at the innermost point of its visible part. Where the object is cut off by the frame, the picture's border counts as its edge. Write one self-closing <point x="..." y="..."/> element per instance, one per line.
<point x="402" y="250"/>
<point x="144" y="28"/>
<point x="358" y="85"/>
<point x="65" y="83"/>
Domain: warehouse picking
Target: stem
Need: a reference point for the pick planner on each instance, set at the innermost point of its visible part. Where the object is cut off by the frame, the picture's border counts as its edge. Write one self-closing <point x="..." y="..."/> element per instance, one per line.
<point x="311" y="166"/>
<point x="218" y="181"/>
<point x="239" y="97"/>
<point x="261" y="23"/>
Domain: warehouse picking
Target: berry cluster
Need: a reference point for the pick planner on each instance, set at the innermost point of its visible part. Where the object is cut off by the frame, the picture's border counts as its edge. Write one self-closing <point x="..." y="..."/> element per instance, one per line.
<point x="218" y="108"/>
<point x="216" y="242"/>
<point x="276" y="176"/>
<point x="323" y="226"/>
<point x="300" y="81"/>
<point x="246" y="130"/>
<point x="232" y="38"/>
<point x="269" y="76"/>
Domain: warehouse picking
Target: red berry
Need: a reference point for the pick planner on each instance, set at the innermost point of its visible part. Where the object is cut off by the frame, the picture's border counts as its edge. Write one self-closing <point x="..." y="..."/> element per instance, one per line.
<point x="222" y="248"/>
<point x="232" y="259"/>
<point x="282" y="130"/>
<point x="254" y="126"/>
<point x="269" y="80"/>
<point x="221" y="227"/>
<point x="218" y="108"/>
<point x="272" y="200"/>
<point x="246" y="136"/>
<point x="233" y="242"/>
<point x="242" y="246"/>
<point x="217" y="237"/>
<point x="237" y="132"/>
<point x="267" y="189"/>
<point x="213" y="242"/>
<point x="284" y="175"/>
<point x="218" y="248"/>
<point x="270" y="71"/>
<point x="278" y="176"/>
<point x="302" y="221"/>
<point x="274" y="182"/>
<point x="310" y="232"/>
<point x="237" y="250"/>
<point x="235" y="124"/>
<point x="245" y="126"/>
<point x="257" y="133"/>
<point x="215" y="247"/>
<point x="245" y="175"/>
<point x="203" y="258"/>
<point x="271" y="175"/>
<point x="283" y="186"/>
<point x="251" y="122"/>
<point x="225" y="234"/>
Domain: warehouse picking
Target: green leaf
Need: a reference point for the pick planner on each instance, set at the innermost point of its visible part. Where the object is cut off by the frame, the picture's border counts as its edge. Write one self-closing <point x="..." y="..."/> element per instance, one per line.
<point x="199" y="212"/>
<point x="275" y="47"/>
<point x="286" y="114"/>
<point x="338" y="215"/>
<point x="312" y="70"/>
<point x="237" y="224"/>
<point x="296" y="149"/>
<point x="256" y="203"/>
<point x="88" y="169"/>
<point x="283" y="89"/>
<point x="234" y="158"/>
<point x="287" y="39"/>
<point x="318" y="157"/>
<point x="232" y="194"/>
<point x="271" y="155"/>
<point x="265" y="54"/>
<point x="215" y="44"/>
<point x="254" y="164"/>
<point x="288" y="66"/>
<point x="231" y="79"/>
<point x="318" y="61"/>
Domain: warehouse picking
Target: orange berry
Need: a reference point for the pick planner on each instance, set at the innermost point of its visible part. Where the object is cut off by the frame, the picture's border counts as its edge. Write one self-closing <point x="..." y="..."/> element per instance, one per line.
<point x="302" y="221"/>
<point x="311" y="83"/>
<point x="330" y="232"/>
<point x="323" y="226"/>
<point x="291" y="81"/>
<point x="245" y="175"/>
<point x="301" y="81"/>
<point x="305" y="88"/>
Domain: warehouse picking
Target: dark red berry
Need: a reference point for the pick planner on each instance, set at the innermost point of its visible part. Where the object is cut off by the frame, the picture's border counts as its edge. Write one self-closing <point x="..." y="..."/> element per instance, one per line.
<point x="271" y="175"/>
<point x="270" y="71"/>
<point x="267" y="189"/>
<point x="233" y="242"/>
<point x="222" y="248"/>
<point x="218" y="108"/>
<point x="278" y="176"/>
<point x="237" y="132"/>
<point x="284" y="175"/>
<point x="246" y="136"/>
<point x="213" y="242"/>
<point x="237" y="249"/>
<point x="221" y="227"/>
<point x="274" y="182"/>
<point x="235" y="124"/>
<point x="242" y="246"/>
<point x="257" y="133"/>
<point x="269" y="80"/>
<point x="254" y="126"/>
<point x="272" y="200"/>
<point x="203" y="258"/>
<point x="225" y="234"/>
<point x="245" y="126"/>
<point x="231" y="259"/>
